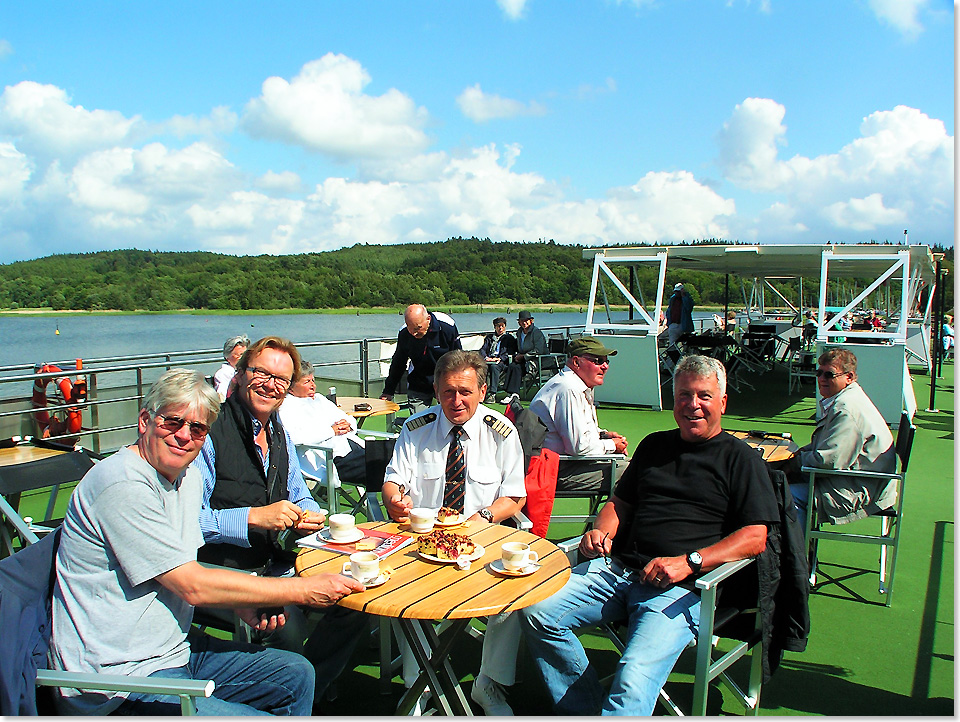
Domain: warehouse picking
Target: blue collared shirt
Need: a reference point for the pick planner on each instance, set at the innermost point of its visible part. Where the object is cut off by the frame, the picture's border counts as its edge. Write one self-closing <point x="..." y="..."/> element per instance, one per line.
<point x="229" y="526"/>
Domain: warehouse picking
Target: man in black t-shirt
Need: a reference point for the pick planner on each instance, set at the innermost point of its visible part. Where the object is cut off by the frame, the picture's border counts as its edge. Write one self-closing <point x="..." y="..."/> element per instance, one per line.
<point x="692" y="498"/>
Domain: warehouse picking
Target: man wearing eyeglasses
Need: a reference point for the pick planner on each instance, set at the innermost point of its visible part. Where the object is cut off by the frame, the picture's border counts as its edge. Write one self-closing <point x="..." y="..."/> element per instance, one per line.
<point x="850" y="434"/>
<point x="253" y="490"/>
<point x="565" y="404"/>
<point x="127" y="578"/>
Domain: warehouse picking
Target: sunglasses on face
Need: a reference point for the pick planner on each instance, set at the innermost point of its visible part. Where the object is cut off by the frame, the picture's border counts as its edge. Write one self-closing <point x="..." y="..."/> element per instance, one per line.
<point x="598" y="360"/>
<point x="262" y="375"/>
<point x="173" y="424"/>
<point x="829" y="375"/>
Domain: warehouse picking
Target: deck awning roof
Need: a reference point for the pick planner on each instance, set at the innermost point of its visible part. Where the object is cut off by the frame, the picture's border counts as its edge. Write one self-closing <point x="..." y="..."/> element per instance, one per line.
<point x="779" y="260"/>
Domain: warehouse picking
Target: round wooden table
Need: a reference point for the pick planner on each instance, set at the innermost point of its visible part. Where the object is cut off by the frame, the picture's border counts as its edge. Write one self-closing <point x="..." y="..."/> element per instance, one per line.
<point x="420" y="591"/>
<point x="773" y="447"/>
<point x="378" y="407"/>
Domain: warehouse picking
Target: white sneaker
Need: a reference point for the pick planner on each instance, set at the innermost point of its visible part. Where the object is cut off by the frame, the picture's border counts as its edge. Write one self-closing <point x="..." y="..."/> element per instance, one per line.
<point x="489" y="695"/>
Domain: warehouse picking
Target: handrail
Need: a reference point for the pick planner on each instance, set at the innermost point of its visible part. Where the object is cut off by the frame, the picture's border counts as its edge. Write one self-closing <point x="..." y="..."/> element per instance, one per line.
<point x="131" y="376"/>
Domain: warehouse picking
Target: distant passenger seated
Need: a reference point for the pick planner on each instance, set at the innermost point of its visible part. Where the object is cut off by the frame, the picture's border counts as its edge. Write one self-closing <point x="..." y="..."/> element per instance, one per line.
<point x="232" y="351"/>
<point x="530" y="343"/>
<point x="851" y="434"/>
<point x="313" y="419"/>
<point x="497" y="349"/>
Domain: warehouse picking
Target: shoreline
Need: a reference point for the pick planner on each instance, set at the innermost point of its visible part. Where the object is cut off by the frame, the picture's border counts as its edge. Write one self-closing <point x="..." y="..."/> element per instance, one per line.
<point x="541" y="308"/>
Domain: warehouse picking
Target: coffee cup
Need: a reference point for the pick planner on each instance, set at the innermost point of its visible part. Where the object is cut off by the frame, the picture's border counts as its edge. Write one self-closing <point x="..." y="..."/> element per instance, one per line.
<point x="364" y="566"/>
<point x="516" y="556"/>
<point x="422" y="519"/>
<point x="342" y="526"/>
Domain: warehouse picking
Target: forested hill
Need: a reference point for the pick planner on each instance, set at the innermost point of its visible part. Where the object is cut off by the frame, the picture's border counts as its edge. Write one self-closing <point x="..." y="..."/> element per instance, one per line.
<point x="454" y="272"/>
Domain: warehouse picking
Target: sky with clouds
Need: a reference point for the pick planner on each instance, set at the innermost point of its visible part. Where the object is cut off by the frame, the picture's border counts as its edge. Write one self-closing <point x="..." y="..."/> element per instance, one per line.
<point x="293" y="126"/>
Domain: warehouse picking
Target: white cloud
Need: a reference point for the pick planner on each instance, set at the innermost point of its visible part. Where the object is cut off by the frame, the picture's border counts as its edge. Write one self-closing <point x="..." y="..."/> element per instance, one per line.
<point x="899" y="170"/>
<point x="324" y="109"/>
<point x="15" y="171"/>
<point x="513" y="9"/>
<point x="481" y="107"/>
<point x="901" y="15"/>
<point x="285" y="181"/>
<point x="44" y="123"/>
<point x="221" y="121"/>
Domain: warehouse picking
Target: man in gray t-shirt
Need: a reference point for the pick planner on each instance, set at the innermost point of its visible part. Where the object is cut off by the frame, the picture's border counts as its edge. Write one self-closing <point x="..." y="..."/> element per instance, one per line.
<point x="128" y="577"/>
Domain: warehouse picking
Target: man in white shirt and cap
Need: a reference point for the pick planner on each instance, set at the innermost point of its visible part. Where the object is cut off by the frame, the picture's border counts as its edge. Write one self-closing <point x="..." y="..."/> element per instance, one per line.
<point x="463" y="455"/>
<point x="565" y="404"/>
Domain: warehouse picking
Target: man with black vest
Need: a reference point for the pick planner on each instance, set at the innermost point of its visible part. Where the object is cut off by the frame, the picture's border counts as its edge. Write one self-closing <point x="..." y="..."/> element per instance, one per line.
<point x="253" y="490"/>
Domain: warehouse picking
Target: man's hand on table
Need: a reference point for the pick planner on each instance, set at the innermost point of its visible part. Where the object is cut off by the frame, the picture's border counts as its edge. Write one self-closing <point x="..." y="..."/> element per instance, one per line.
<point x="325" y="590"/>
<point x="310" y="522"/>
<point x="386" y="397"/>
<point x="398" y="506"/>
<point x="595" y="543"/>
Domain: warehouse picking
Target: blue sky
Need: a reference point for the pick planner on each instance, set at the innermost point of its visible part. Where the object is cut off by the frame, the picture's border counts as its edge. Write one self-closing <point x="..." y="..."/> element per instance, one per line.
<point x="247" y="127"/>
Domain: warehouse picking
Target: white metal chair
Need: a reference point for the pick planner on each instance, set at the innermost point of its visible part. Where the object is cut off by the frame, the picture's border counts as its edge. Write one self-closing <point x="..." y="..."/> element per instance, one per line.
<point x="800" y="364"/>
<point x="712" y="662"/>
<point x="890" y="519"/>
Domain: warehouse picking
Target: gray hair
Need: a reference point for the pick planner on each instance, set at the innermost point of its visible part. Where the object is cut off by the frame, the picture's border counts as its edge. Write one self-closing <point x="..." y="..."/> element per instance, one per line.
<point x="453" y="361"/>
<point x="182" y="387"/>
<point x="234" y="341"/>
<point x="702" y="367"/>
<point x="306" y="368"/>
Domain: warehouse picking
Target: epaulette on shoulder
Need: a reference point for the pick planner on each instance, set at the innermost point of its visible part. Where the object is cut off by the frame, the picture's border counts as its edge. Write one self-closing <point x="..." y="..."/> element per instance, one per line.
<point x="498" y="425"/>
<point x="415" y="422"/>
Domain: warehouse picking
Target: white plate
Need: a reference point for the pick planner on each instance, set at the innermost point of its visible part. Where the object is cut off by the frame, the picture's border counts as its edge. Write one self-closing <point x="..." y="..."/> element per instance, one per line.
<point x="456" y="522"/>
<point x="326" y="536"/>
<point x="497" y="566"/>
<point x="370" y="585"/>
<point x="477" y="553"/>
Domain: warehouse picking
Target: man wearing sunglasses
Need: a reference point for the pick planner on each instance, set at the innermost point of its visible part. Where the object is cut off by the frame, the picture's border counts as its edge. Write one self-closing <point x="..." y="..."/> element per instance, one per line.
<point x="128" y="578"/>
<point x="850" y="434"/>
<point x="565" y="405"/>
<point x="254" y="491"/>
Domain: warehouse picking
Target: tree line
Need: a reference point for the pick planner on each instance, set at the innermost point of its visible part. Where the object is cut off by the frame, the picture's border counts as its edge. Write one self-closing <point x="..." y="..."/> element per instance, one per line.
<point x="458" y="271"/>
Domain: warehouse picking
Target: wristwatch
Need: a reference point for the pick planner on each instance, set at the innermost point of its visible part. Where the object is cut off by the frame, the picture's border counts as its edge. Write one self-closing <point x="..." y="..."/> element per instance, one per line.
<point x="486" y="514"/>
<point x="695" y="561"/>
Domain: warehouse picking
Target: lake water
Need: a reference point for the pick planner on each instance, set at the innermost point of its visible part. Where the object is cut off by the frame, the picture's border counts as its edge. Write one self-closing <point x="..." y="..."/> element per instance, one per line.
<point x="33" y="339"/>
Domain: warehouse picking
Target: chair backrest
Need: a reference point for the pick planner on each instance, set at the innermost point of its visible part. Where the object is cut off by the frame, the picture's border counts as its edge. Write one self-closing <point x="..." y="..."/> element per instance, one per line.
<point x="905" y="434"/>
<point x="557" y="344"/>
<point x="794" y="344"/>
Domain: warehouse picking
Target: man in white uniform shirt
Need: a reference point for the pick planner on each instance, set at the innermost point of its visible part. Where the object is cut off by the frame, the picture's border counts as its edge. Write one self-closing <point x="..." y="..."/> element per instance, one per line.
<point x="312" y="419"/>
<point x="565" y="405"/>
<point x="493" y="490"/>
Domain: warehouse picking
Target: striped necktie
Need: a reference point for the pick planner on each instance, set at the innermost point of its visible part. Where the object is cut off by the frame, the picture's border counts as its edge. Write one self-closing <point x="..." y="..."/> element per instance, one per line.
<point x="456" y="474"/>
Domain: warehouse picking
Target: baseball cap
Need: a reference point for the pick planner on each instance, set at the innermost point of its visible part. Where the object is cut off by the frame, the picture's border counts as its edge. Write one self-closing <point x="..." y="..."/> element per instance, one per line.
<point x="589" y="344"/>
<point x="678" y="286"/>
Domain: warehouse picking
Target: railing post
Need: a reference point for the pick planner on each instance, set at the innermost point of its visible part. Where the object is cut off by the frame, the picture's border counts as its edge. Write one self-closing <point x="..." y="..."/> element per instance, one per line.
<point x="364" y="370"/>
<point x="94" y="410"/>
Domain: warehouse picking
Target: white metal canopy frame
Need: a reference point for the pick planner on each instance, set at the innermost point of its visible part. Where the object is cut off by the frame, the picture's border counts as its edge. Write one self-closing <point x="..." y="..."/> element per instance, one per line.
<point x="913" y="267"/>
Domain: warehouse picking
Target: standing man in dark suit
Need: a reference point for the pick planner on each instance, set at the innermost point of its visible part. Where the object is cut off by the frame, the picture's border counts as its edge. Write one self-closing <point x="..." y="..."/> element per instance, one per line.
<point x="425" y="337"/>
<point x="530" y="343"/>
<point x="497" y="349"/>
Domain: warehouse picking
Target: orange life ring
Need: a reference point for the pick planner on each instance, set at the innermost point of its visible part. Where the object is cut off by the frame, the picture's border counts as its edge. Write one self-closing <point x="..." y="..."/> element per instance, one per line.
<point x="59" y="423"/>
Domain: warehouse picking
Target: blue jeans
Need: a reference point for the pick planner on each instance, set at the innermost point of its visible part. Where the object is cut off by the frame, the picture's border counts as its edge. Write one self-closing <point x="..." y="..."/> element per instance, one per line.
<point x="250" y="680"/>
<point x="660" y="623"/>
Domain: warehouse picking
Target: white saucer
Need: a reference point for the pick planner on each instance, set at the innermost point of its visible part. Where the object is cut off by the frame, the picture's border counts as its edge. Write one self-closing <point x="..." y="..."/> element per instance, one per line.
<point x="371" y="584"/>
<point x="327" y="537"/>
<point x="477" y="553"/>
<point x="456" y="522"/>
<point x="497" y="566"/>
